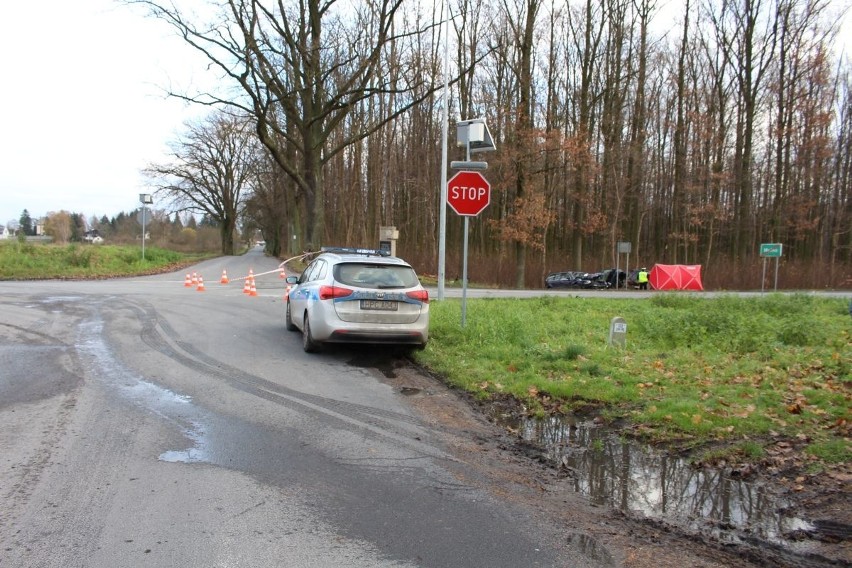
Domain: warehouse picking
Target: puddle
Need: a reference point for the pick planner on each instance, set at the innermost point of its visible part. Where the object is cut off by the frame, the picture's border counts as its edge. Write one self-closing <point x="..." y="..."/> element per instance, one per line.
<point x="174" y="407"/>
<point x="635" y="478"/>
<point x="196" y="454"/>
<point x="593" y="549"/>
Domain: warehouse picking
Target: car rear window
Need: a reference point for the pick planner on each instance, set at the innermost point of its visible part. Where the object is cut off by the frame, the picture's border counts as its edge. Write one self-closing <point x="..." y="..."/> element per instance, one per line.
<point x="365" y="275"/>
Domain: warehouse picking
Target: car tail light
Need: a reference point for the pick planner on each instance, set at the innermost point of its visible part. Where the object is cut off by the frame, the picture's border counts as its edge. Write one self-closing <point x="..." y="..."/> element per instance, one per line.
<point x="331" y="292"/>
<point x="419" y="295"/>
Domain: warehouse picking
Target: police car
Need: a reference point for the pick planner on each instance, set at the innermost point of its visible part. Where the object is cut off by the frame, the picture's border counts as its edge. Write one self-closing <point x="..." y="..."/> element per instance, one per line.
<point x="348" y="295"/>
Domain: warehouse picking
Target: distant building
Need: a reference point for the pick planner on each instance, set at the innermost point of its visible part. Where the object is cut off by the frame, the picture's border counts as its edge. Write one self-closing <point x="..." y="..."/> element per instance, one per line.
<point x="93" y="236"/>
<point x="4" y="232"/>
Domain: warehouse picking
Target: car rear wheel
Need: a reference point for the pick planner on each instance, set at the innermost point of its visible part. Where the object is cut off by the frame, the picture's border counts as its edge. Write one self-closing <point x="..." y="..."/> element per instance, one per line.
<point x="308" y="342"/>
<point x="289" y="319"/>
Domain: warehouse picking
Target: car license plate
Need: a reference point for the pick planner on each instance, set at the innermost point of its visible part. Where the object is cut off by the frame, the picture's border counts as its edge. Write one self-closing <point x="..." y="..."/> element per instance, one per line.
<point x="379" y="305"/>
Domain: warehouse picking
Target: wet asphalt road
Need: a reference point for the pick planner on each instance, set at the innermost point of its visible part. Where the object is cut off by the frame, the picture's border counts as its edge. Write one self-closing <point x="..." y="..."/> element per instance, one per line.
<point x="143" y="423"/>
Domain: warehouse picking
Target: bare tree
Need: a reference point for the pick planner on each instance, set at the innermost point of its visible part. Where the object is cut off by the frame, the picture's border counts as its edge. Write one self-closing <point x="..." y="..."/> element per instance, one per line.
<point x="301" y="68"/>
<point x="211" y="172"/>
<point x="746" y="31"/>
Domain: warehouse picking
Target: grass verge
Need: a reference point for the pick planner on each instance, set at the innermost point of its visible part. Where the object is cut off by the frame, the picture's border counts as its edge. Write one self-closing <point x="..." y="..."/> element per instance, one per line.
<point x="695" y="370"/>
<point x="28" y="261"/>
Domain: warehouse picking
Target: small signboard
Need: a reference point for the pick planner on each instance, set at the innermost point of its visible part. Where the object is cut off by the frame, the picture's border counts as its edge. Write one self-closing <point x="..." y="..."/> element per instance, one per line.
<point x="771" y="250"/>
<point x="618" y="332"/>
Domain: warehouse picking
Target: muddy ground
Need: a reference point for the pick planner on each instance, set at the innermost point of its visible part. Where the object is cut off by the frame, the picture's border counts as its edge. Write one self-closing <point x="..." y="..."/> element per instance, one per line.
<point x="517" y="470"/>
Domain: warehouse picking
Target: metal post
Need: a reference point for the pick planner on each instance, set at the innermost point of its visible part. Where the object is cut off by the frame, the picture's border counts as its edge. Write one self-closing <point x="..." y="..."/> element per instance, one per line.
<point x="442" y="231"/>
<point x="617" y="267"/>
<point x="464" y="262"/>
<point x="763" y="276"/>
<point x="776" y="273"/>
<point x="143" y="231"/>
<point x="464" y="276"/>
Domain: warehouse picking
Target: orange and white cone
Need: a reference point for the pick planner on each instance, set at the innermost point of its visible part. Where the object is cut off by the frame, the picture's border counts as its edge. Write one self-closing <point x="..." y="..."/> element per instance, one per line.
<point x="252" y="289"/>
<point x="200" y="285"/>
<point x="187" y="282"/>
<point x="194" y="279"/>
<point x="281" y="274"/>
<point x="224" y="279"/>
<point x="247" y="286"/>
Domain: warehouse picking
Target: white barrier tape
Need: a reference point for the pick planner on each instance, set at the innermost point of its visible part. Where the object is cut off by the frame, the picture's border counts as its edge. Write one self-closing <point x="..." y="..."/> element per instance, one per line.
<point x="258" y="274"/>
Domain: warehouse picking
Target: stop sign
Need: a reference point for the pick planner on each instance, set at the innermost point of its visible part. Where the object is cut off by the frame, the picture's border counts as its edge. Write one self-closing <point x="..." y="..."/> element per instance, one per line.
<point x="468" y="193"/>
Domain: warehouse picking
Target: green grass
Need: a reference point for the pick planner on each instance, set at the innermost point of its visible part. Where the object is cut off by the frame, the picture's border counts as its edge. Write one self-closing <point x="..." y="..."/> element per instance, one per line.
<point x="26" y="261"/>
<point x="694" y="370"/>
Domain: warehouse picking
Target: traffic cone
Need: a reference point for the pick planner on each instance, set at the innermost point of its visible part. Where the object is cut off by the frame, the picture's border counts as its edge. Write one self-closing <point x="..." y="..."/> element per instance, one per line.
<point x="247" y="286"/>
<point x="281" y="274"/>
<point x="187" y="283"/>
<point x="224" y="279"/>
<point x="200" y="285"/>
<point x="252" y="289"/>
<point x="194" y="279"/>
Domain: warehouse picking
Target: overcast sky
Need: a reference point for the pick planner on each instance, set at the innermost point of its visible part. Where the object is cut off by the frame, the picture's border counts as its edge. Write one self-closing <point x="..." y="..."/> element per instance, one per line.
<point x="82" y="103"/>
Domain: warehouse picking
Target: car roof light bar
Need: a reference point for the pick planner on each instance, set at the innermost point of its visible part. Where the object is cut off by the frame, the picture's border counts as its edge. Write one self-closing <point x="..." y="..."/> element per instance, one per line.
<point x="348" y="250"/>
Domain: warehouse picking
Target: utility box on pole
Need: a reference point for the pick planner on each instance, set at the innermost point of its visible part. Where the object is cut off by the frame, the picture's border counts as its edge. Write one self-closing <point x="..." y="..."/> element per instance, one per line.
<point x="387" y="239"/>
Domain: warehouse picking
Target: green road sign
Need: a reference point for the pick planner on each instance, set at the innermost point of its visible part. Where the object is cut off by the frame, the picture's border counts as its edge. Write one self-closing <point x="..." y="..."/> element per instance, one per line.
<point x="772" y="250"/>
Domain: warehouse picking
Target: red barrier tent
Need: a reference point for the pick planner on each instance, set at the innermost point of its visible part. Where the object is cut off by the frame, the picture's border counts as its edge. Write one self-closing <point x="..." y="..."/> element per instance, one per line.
<point x="676" y="277"/>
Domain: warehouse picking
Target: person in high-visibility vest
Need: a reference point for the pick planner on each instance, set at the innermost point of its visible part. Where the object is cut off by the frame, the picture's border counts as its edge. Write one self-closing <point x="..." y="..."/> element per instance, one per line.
<point x="642" y="279"/>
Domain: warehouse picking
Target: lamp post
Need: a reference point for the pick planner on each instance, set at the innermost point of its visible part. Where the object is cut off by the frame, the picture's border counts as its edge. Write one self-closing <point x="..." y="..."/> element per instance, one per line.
<point x="442" y="230"/>
<point x="145" y="199"/>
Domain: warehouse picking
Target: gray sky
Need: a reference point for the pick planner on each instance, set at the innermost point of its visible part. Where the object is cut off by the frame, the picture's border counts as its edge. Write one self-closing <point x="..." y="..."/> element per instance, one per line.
<point x="82" y="104"/>
<point x="83" y="109"/>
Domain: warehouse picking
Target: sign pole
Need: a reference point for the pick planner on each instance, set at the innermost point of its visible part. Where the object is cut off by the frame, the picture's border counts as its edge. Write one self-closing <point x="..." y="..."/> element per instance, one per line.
<point x="617" y="268"/>
<point x="464" y="276"/>
<point x="464" y="262"/>
<point x="776" y="273"/>
<point x="468" y="193"/>
<point x="143" y="232"/>
<point x="770" y="250"/>
<point x="145" y="199"/>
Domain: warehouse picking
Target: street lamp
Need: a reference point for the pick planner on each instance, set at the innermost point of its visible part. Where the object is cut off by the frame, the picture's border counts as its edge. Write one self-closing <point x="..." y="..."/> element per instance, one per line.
<point x="144" y="199"/>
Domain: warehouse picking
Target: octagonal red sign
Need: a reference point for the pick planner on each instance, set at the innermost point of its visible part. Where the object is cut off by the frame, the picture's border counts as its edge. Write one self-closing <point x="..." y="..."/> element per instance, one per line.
<point x="468" y="193"/>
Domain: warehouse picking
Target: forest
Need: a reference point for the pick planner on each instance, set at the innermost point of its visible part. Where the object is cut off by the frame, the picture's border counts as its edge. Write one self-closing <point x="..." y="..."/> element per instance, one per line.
<point x="695" y="131"/>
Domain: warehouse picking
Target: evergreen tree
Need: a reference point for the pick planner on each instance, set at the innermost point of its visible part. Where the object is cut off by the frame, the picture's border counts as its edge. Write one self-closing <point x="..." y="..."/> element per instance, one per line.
<point x="26" y="223"/>
<point x="78" y="227"/>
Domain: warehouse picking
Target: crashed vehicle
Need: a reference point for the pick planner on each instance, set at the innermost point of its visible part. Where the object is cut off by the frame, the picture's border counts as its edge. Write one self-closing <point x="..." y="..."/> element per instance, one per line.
<point x="586" y="280"/>
<point x="563" y="279"/>
<point x="614" y="278"/>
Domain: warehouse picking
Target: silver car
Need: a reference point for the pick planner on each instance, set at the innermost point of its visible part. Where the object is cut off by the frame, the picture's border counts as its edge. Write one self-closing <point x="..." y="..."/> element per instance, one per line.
<point x="357" y="296"/>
